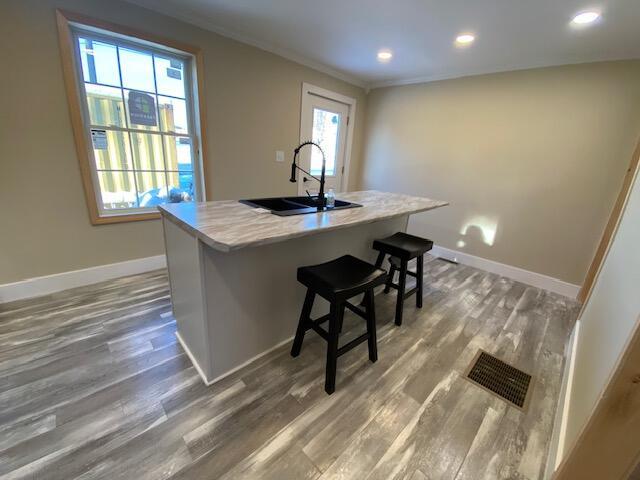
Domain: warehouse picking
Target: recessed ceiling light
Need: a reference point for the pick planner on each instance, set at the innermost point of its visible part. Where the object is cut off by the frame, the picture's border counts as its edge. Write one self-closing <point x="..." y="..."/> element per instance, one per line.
<point x="465" y="39"/>
<point x="384" y="55"/>
<point x="585" y="18"/>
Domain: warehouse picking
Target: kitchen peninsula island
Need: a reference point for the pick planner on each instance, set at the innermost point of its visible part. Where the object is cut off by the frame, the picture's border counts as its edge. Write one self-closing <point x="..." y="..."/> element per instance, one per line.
<point x="232" y="269"/>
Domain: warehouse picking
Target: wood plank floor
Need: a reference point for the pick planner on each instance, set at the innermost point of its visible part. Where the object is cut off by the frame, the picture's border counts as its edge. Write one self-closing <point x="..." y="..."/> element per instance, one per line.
<point x="93" y="385"/>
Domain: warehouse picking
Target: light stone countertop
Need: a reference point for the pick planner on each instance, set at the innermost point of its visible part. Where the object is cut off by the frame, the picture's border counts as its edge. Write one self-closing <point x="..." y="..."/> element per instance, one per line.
<point x="230" y="225"/>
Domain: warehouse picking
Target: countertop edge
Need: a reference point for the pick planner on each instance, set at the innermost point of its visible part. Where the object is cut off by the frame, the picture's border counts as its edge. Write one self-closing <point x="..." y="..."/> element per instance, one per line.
<point x="193" y="231"/>
<point x="280" y="238"/>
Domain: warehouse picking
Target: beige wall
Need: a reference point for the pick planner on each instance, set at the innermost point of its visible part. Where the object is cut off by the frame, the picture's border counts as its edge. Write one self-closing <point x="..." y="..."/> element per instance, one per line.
<point x="253" y="109"/>
<point x="535" y="156"/>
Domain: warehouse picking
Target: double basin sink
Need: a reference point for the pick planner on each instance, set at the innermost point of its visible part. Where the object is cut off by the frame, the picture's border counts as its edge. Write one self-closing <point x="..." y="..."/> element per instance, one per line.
<point x="285" y="206"/>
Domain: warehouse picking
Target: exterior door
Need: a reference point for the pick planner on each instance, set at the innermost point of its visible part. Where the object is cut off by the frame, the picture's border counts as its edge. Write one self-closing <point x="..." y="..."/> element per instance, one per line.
<point x="325" y="122"/>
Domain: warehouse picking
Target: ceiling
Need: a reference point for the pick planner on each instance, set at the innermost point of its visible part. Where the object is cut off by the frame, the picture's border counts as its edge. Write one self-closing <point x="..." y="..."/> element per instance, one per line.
<point x="342" y="37"/>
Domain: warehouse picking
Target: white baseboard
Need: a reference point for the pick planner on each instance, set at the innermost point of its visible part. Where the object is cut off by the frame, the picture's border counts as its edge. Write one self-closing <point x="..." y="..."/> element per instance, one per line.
<point x="525" y="276"/>
<point x="252" y="359"/>
<point x="209" y="382"/>
<point x="195" y="363"/>
<point x="34" y="287"/>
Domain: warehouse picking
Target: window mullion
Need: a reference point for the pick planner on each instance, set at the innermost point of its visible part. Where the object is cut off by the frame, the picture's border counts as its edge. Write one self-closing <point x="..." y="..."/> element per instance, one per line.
<point x="113" y="86"/>
<point x="164" y="153"/>
<point x="137" y="130"/>
<point x="126" y="121"/>
<point x="197" y="176"/>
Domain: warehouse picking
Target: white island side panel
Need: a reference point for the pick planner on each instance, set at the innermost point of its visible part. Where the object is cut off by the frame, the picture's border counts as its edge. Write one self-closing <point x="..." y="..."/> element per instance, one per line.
<point x="252" y="296"/>
<point x="184" y="255"/>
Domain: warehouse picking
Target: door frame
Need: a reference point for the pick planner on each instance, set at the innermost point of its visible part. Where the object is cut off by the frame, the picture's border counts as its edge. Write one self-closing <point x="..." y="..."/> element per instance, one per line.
<point x="309" y="89"/>
<point x="611" y="228"/>
<point x="609" y="444"/>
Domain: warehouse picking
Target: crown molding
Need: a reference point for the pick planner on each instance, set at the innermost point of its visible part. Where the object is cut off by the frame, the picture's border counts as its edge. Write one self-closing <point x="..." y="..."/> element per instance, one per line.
<point x="205" y="24"/>
<point x="487" y="71"/>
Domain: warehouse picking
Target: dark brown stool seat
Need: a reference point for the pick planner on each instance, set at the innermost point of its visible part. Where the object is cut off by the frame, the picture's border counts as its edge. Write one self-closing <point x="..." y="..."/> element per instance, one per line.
<point x="403" y="247"/>
<point x="337" y="281"/>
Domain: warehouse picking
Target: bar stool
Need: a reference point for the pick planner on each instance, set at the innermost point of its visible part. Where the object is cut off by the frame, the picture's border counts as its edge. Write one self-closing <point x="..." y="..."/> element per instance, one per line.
<point x="337" y="281"/>
<point x="403" y="247"/>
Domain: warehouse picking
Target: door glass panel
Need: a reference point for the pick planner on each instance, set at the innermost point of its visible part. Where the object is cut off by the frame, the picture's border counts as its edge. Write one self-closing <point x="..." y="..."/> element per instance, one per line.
<point x="114" y="154"/>
<point x="178" y="150"/>
<point x="117" y="189"/>
<point x="170" y="76"/>
<point x="326" y="127"/>
<point x="173" y="115"/>
<point x="137" y="70"/>
<point x="99" y="62"/>
<point x="147" y="151"/>
<point x="105" y="105"/>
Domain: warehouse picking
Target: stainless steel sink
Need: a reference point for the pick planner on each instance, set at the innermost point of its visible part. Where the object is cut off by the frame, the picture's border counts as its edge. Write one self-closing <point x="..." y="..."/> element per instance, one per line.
<point x="285" y="206"/>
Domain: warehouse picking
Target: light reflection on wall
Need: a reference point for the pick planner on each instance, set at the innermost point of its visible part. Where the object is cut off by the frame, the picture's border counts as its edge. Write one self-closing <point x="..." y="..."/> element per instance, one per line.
<point x="486" y="226"/>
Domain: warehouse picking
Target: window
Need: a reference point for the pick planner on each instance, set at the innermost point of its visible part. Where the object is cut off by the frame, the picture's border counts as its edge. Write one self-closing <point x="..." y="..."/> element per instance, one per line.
<point x="138" y="119"/>
<point x="326" y="132"/>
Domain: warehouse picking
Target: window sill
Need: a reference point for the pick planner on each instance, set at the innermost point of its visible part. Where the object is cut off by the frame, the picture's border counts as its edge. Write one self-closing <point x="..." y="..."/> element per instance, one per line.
<point x="124" y="218"/>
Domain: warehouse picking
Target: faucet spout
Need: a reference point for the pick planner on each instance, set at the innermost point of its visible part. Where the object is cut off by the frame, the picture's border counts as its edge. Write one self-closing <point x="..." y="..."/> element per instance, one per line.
<point x="322" y="201"/>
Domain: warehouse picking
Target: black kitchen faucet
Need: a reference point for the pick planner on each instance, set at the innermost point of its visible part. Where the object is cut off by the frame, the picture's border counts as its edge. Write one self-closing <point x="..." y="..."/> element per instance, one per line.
<point x="322" y="201"/>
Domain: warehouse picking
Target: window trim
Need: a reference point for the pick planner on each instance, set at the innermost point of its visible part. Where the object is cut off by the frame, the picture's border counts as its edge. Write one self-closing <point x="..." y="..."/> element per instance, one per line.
<point x="66" y="21"/>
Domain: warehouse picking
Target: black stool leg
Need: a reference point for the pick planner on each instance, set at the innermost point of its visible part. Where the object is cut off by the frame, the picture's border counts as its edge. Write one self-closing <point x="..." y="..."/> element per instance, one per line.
<point x="401" y="287"/>
<point x="302" y="323"/>
<point x="419" y="274"/>
<point x="387" y="285"/>
<point x="337" y="312"/>
<point x="380" y="259"/>
<point x="371" y="327"/>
